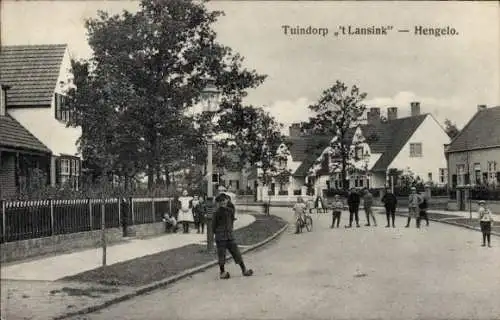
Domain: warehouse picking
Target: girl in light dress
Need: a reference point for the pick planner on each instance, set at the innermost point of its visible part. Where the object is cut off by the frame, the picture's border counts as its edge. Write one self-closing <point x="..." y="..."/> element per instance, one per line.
<point x="185" y="215"/>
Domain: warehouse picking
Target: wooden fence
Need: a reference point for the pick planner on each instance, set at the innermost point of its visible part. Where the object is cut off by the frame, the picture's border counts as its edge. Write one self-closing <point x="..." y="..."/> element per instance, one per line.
<point x="21" y="220"/>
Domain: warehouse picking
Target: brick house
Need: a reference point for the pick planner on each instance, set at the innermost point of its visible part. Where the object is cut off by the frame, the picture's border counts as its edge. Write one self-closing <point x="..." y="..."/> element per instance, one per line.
<point x="473" y="157"/>
<point x="38" y="77"/>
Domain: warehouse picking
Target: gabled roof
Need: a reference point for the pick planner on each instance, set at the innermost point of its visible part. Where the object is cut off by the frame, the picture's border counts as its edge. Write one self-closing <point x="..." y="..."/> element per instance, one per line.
<point x="14" y="135"/>
<point x="302" y="147"/>
<point x="388" y="138"/>
<point x="482" y="131"/>
<point x="306" y="149"/>
<point x="32" y="72"/>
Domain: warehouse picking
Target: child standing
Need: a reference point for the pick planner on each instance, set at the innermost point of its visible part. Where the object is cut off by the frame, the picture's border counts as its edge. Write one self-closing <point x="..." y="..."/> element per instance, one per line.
<point x="485" y="221"/>
<point x="224" y="239"/>
<point x="337" y="207"/>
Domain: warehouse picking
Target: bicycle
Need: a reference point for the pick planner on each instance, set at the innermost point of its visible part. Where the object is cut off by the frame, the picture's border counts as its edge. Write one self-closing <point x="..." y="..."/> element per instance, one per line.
<point x="305" y="222"/>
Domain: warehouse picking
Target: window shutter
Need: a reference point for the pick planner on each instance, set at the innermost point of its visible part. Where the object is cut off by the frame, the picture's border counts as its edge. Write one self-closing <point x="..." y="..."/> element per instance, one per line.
<point x="454" y="180"/>
<point x="467" y="178"/>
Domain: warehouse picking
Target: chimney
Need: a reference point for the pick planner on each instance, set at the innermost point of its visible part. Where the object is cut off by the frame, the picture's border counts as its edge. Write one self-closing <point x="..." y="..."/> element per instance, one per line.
<point x="3" y="99"/>
<point x="415" y="109"/>
<point x="481" y="107"/>
<point x="392" y="113"/>
<point x="373" y="116"/>
<point x="295" y="130"/>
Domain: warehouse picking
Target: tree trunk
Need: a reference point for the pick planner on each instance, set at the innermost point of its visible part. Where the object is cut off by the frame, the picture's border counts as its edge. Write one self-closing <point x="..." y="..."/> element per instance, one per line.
<point x="167" y="177"/>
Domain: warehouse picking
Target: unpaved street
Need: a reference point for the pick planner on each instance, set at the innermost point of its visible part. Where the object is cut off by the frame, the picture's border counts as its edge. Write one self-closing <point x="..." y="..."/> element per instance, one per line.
<point x="439" y="272"/>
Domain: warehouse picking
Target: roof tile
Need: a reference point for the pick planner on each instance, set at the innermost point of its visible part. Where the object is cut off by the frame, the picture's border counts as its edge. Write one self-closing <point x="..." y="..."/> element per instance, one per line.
<point x="31" y="71"/>
<point x="482" y="131"/>
<point x="14" y="135"/>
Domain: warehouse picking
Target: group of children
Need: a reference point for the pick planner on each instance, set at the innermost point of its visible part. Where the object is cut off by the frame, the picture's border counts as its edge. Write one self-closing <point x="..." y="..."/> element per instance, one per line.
<point x="417" y="207"/>
<point x="186" y="210"/>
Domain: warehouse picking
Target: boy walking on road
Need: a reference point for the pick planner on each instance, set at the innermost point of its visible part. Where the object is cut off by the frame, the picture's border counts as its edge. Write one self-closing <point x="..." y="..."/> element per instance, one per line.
<point x="222" y="227"/>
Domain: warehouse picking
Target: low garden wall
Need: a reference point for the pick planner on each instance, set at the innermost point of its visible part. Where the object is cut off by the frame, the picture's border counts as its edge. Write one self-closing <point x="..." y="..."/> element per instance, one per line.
<point x="23" y="249"/>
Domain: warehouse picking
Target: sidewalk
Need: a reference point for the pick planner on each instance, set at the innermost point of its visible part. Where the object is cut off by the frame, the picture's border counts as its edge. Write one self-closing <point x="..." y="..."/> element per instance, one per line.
<point x="60" y="266"/>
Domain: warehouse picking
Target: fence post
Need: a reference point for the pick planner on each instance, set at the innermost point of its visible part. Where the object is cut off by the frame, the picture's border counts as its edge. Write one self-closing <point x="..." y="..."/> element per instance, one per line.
<point x="153" y="208"/>
<point x="51" y="203"/>
<point x="103" y="232"/>
<point x="4" y="224"/>
<point x="90" y="213"/>
<point x="119" y="211"/>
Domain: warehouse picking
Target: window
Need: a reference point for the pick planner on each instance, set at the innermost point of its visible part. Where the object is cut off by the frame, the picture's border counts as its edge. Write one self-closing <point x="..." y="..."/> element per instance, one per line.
<point x="61" y="108"/>
<point x="492" y="169"/>
<point x="429" y="176"/>
<point x="460" y="174"/>
<point x="415" y="150"/>
<point x="477" y="173"/>
<point x="69" y="172"/>
<point x="443" y="175"/>
<point x="65" y="167"/>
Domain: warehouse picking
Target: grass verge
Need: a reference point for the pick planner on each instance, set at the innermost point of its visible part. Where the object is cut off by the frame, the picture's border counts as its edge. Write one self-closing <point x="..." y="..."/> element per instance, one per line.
<point x="148" y="269"/>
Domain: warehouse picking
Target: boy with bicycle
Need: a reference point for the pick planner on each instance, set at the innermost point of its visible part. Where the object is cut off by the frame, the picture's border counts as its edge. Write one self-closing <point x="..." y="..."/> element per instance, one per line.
<point x="299" y="209"/>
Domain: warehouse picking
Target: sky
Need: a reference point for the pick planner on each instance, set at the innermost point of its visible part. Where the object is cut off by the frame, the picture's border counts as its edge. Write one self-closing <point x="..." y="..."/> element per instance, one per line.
<point x="448" y="75"/>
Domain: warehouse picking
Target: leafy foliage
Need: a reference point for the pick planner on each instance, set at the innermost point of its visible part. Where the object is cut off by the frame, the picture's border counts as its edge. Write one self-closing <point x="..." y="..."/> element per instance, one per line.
<point x="255" y="136"/>
<point x="451" y="128"/>
<point x="338" y="111"/>
<point x="147" y="69"/>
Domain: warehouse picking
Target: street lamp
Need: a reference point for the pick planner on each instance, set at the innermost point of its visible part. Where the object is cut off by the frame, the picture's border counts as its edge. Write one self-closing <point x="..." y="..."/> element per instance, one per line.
<point x="210" y="98"/>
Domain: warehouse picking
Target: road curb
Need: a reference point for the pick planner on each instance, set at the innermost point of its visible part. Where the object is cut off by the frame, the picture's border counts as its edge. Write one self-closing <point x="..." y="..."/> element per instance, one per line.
<point x="451" y="223"/>
<point x="165" y="282"/>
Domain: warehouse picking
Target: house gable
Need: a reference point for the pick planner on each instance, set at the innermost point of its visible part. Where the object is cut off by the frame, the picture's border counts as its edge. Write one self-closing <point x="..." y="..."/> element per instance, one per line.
<point x="389" y="138"/>
<point x="432" y="137"/>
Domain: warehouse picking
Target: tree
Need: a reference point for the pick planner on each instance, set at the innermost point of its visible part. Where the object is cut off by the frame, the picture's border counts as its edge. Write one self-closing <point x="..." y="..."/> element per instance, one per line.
<point x="451" y="128"/>
<point x="147" y="69"/>
<point x="255" y="136"/>
<point x="338" y="112"/>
